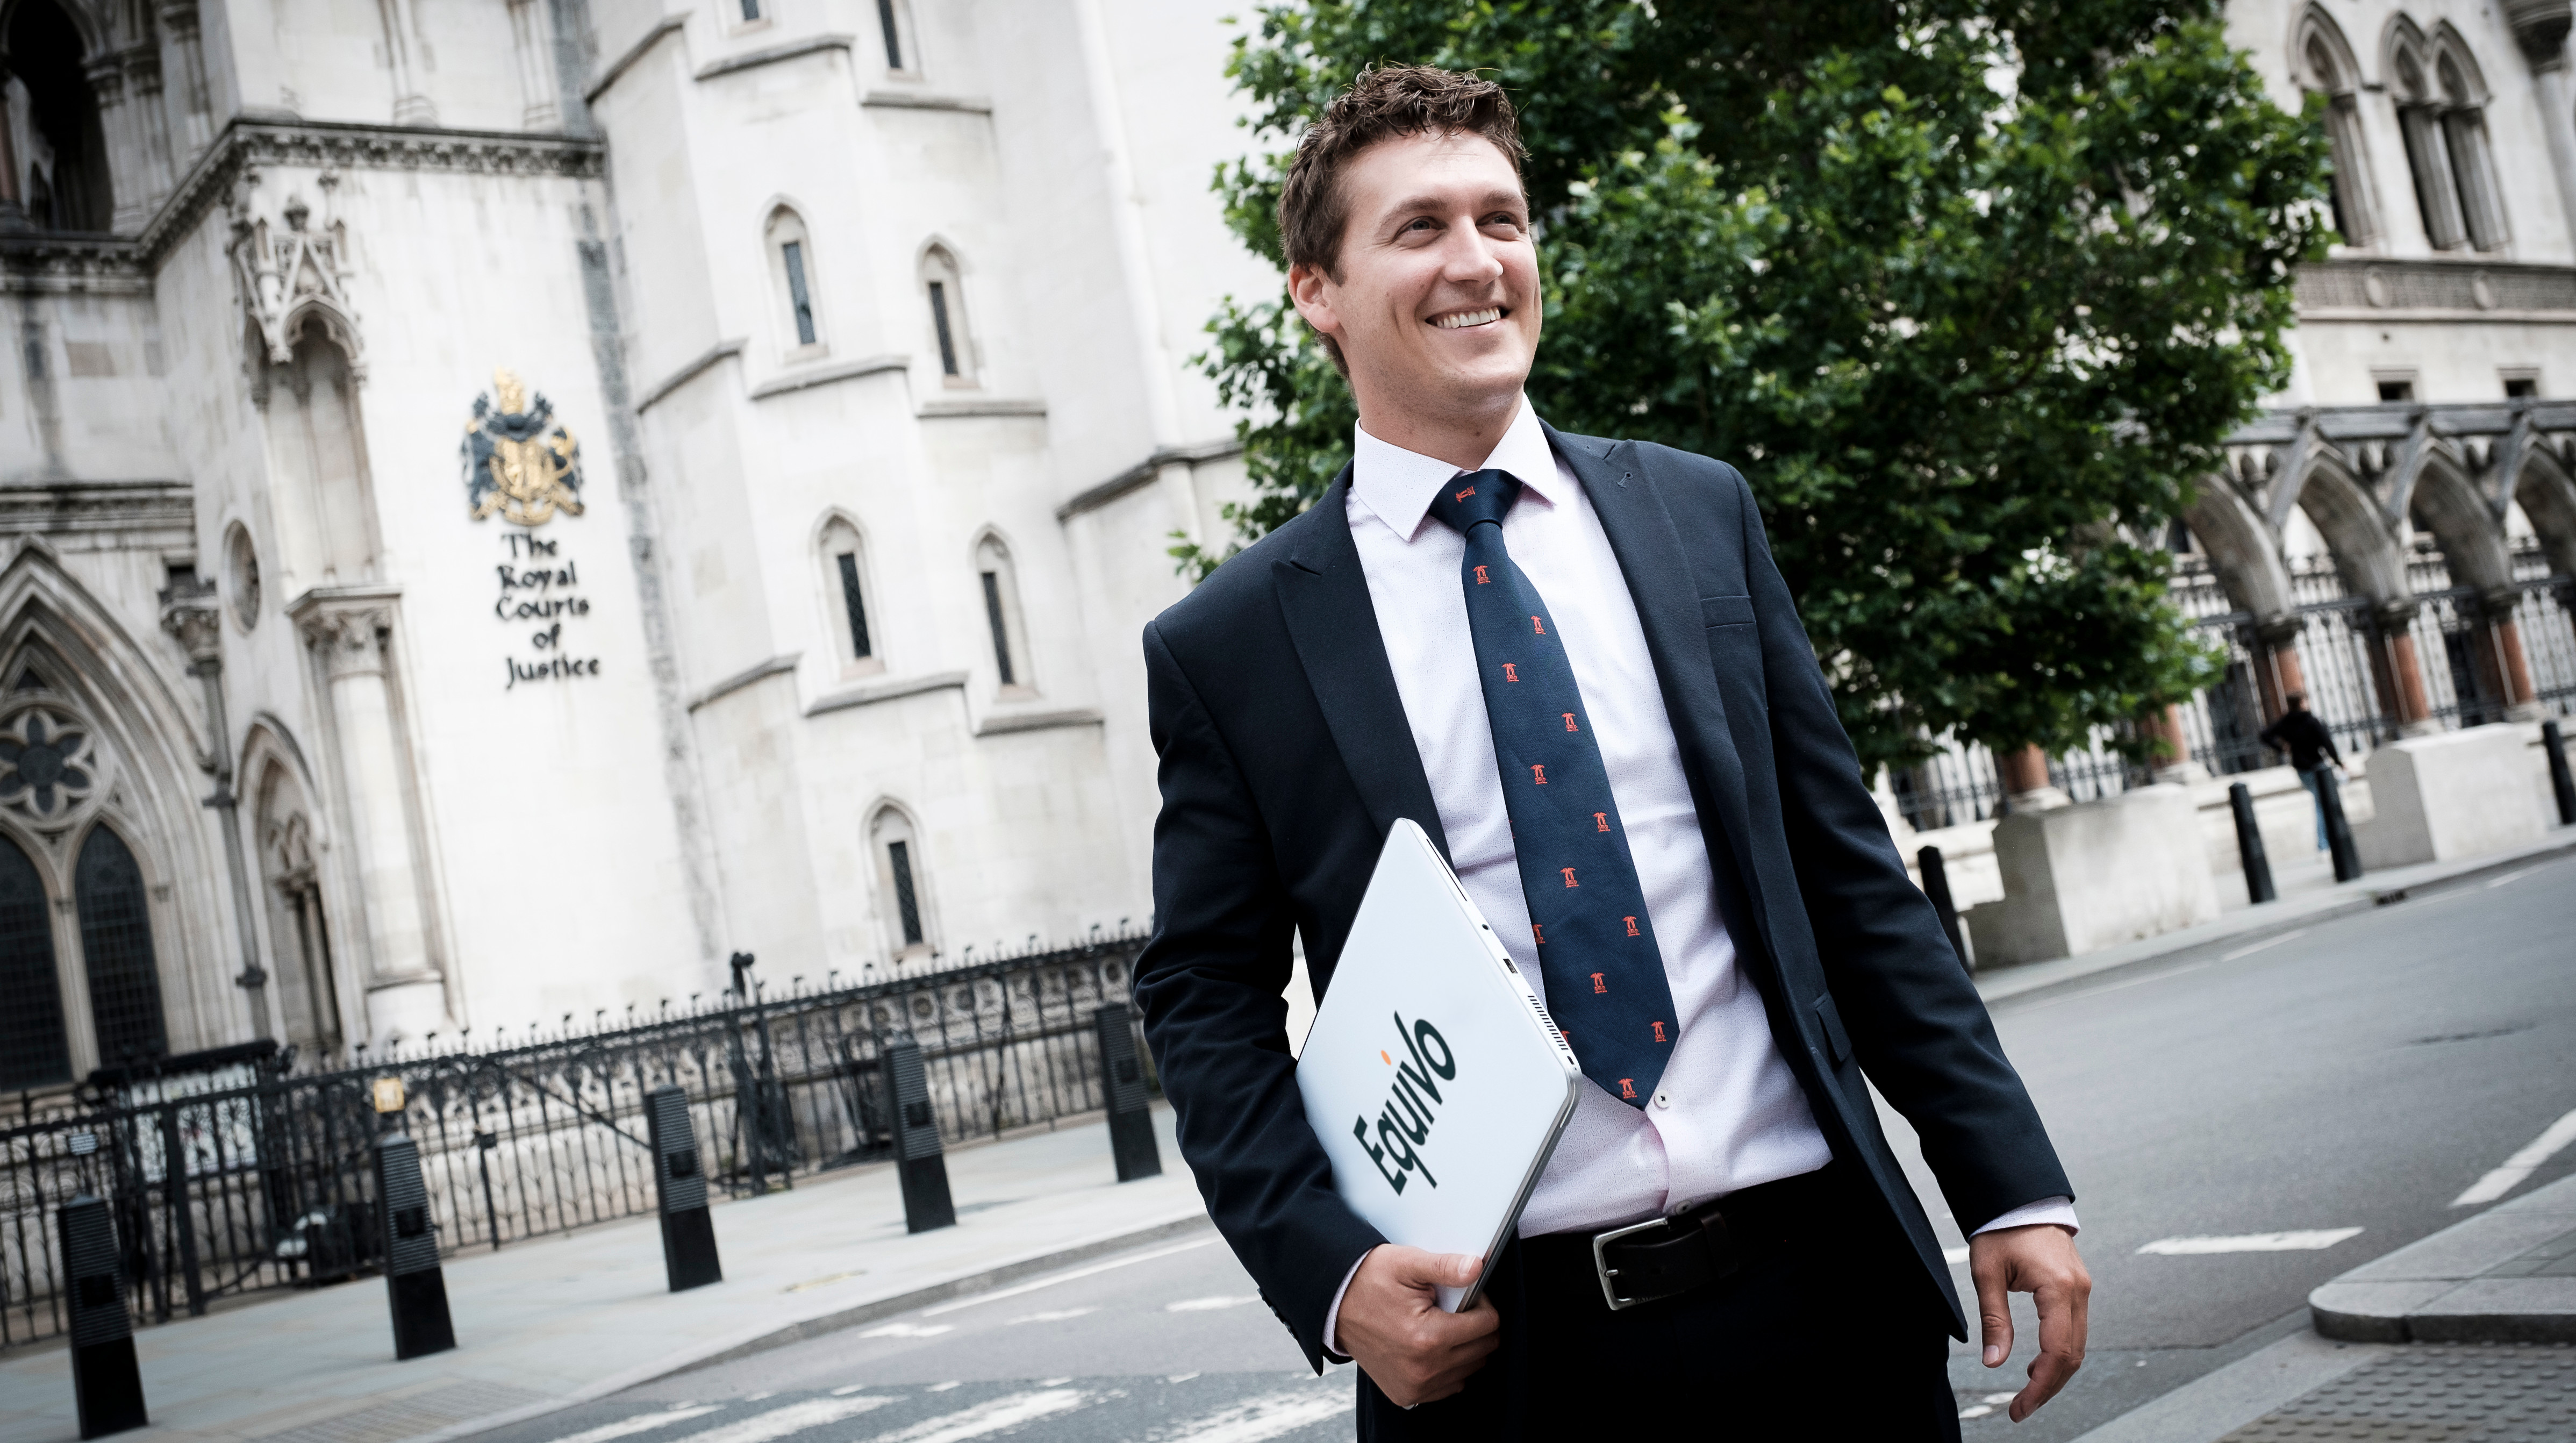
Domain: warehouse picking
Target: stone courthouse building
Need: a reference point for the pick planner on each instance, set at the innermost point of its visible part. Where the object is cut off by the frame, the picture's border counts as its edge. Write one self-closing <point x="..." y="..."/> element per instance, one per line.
<point x="507" y="502"/>
<point x="504" y="503"/>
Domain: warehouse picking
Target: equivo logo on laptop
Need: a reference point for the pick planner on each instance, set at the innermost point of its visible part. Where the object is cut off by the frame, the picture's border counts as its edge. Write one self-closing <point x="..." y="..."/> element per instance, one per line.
<point x="1404" y="1121"/>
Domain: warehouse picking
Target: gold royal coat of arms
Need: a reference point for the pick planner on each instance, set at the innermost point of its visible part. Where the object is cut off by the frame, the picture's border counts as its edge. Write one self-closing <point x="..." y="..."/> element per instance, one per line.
<point x="519" y="463"/>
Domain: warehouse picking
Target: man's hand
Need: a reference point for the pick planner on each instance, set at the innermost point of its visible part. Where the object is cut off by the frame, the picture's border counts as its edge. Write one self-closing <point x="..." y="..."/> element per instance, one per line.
<point x="2039" y="1260"/>
<point x="1392" y="1324"/>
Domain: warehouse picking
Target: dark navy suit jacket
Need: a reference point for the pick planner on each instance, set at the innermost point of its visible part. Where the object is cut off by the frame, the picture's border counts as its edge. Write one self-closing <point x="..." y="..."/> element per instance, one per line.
<point x="1285" y="757"/>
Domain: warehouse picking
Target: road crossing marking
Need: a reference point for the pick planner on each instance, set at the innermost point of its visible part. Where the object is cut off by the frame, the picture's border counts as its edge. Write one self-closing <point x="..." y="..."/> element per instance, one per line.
<point x="640" y="1423"/>
<point x="2521" y="1165"/>
<point x="792" y="1419"/>
<point x="1207" y="1305"/>
<point x="2249" y="950"/>
<point x="987" y="1418"/>
<point x="1012" y="1292"/>
<point x="2250" y="1243"/>
<point x="1256" y="1419"/>
<point x="1056" y="1316"/>
<point x="909" y="1330"/>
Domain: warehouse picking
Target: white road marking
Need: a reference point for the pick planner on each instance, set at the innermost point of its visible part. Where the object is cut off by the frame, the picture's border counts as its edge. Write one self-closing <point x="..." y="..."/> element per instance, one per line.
<point x="1057" y="1316"/>
<point x="1979" y="1411"/>
<point x="909" y="1330"/>
<point x="2512" y="877"/>
<point x="844" y="1392"/>
<point x="942" y="1387"/>
<point x="1256" y="1419"/>
<point x="642" y="1422"/>
<point x="986" y="1418"/>
<point x="2113" y="987"/>
<point x="2521" y="1165"/>
<point x="794" y="1418"/>
<point x="1954" y="1255"/>
<point x="1999" y="1397"/>
<point x="1180" y="1377"/>
<point x="1207" y="1305"/>
<point x="2247" y="951"/>
<point x="1012" y="1292"/>
<point x="2250" y="1243"/>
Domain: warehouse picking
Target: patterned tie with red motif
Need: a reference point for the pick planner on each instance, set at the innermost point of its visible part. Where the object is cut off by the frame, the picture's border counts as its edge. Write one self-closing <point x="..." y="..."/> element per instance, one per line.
<point x="1596" y="948"/>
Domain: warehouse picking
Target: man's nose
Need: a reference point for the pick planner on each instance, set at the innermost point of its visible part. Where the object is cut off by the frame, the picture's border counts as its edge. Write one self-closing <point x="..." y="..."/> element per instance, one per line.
<point x="1469" y="256"/>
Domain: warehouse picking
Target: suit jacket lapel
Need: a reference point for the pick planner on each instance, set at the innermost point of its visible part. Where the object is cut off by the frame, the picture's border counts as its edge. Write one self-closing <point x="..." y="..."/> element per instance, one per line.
<point x="1649" y="548"/>
<point x="1324" y="596"/>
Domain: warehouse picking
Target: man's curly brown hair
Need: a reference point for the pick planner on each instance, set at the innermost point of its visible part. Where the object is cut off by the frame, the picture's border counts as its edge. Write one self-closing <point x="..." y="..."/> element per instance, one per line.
<point x="1385" y="103"/>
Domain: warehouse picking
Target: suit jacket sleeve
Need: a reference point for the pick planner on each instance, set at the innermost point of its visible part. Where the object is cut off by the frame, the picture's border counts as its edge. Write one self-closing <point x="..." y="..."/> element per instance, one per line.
<point x="1917" y="1025"/>
<point x="1210" y="982"/>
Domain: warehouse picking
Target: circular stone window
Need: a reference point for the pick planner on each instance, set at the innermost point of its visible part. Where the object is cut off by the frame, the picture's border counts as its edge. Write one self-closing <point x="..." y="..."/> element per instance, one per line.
<point x="242" y="564"/>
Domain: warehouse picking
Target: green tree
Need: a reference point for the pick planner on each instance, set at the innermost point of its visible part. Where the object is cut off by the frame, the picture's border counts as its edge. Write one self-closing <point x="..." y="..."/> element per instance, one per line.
<point x="1970" y="292"/>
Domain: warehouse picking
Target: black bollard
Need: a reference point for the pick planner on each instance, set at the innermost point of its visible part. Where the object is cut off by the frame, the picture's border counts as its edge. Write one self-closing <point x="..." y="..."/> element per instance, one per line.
<point x="1122" y="1087"/>
<point x="2249" y="845"/>
<point x="2555" y="744"/>
<point x="413" y="1281"/>
<point x="688" y="1234"/>
<point x="923" y="1171"/>
<point x="1936" y="885"/>
<point x="2347" y="857"/>
<point x="106" y="1384"/>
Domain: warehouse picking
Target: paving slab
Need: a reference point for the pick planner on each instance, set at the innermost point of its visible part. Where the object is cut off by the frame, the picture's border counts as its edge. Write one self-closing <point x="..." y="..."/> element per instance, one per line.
<point x="2245" y="926"/>
<point x="2507" y="1275"/>
<point x="555" y="1321"/>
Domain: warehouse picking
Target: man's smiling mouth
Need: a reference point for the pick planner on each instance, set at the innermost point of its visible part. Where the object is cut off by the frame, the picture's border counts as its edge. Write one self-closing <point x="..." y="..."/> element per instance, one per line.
<point x="1460" y="320"/>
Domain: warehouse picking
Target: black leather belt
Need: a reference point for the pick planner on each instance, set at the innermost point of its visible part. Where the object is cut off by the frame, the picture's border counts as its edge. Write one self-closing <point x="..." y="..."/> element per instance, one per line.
<point x="1668" y="1256"/>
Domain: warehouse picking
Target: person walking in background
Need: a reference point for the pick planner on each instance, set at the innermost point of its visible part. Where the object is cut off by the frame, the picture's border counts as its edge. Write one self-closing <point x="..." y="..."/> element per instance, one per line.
<point x="1745" y="955"/>
<point x="2311" y="748"/>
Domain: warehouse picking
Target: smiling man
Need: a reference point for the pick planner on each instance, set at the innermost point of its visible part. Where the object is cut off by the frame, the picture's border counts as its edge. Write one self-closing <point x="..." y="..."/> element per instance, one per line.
<point x="1383" y="656"/>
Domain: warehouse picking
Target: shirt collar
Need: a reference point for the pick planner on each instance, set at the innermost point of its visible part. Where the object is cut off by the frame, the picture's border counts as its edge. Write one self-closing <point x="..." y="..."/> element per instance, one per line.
<point x="1398" y="485"/>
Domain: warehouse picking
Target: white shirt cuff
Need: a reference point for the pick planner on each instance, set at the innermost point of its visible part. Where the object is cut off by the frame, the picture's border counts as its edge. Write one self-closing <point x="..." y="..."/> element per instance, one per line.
<point x="1333" y="1314"/>
<point x="2059" y="1210"/>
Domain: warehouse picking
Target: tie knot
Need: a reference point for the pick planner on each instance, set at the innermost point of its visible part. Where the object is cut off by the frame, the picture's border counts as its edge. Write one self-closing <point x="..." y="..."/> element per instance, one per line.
<point x="1475" y="497"/>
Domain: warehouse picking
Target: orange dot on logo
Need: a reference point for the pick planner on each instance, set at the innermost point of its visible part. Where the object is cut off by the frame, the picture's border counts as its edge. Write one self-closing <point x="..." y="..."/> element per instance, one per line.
<point x="1382" y="1057"/>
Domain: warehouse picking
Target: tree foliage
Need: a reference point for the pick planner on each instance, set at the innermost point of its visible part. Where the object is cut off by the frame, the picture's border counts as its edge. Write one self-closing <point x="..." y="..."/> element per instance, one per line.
<point x="1970" y="292"/>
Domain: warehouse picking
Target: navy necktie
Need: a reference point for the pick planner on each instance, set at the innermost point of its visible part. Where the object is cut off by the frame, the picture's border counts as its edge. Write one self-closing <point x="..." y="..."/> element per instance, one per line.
<point x="1596" y="949"/>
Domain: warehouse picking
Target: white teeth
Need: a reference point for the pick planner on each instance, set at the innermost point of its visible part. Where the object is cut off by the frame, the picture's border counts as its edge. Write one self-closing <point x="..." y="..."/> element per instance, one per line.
<point x="1468" y="318"/>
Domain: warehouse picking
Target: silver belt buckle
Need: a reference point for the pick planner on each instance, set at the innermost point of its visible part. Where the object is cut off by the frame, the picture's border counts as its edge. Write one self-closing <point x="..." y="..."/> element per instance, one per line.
<point x="1601" y="1261"/>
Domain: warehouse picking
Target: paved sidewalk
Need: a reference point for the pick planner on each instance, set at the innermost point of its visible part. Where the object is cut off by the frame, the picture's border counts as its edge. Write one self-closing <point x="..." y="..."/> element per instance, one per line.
<point x="556" y="1321"/>
<point x="2317" y="898"/>
<point x="2468" y="1335"/>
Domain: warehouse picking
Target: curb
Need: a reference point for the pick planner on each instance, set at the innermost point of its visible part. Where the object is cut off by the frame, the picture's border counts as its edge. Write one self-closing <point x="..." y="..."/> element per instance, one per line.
<point x="2006" y="983"/>
<point x="2492" y="1278"/>
<point x="725" y="1350"/>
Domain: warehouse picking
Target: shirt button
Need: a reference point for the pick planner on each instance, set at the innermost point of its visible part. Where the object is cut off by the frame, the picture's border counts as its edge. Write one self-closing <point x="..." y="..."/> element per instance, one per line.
<point x="1663" y="1099"/>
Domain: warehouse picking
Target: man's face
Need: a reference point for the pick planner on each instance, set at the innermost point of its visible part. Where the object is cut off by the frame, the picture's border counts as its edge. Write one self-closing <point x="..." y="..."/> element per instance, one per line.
<point x="1437" y="306"/>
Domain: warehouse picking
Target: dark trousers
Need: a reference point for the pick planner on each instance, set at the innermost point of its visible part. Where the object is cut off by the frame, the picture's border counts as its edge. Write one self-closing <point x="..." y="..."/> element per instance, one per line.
<point x="1835" y="1336"/>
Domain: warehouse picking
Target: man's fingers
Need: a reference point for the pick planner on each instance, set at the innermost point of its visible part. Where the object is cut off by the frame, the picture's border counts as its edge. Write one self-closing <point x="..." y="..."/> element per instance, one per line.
<point x="1417" y="1268"/>
<point x="2062" y="1305"/>
<point x="1994" y="1308"/>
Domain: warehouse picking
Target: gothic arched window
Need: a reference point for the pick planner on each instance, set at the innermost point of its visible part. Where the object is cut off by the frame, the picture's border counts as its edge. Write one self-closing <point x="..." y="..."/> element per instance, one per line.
<point x="2441" y="107"/>
<point x="902" y="883"/>
<point x="2328" y="69"/>
<point x="1001" y="597"/>
<point x="34" y="1049"/>
<point x="55" y="148"/>
<point x="2464" y="139"/>
<point x="116" y="946"/>
<point x="846" y="583"/>
<point x="950" y="340"/>
<point x="792" y="274"/>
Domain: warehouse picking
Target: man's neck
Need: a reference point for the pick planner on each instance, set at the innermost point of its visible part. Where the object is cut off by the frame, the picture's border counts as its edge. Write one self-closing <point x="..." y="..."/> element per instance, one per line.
<point x="1463" y="438"/>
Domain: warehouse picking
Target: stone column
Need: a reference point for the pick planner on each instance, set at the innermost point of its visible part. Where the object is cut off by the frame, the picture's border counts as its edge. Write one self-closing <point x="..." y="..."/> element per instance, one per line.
<point x="2172" y="760"/>
<point x="411" y="107"/>
<point x="2501" y="662"/>
<point x="531" y="37"/>
<point x="116" y="123"/>
<point x="2540" y="31"/>
<point x="2023" y="775"/>
<point x="13" y="210"/>
<point x="188" y="613"/>
<point x="405" y="995"/>
<point x="179" y="22"/>
<point x="2401" y="679"/>
<point x="2276" y="663"/>
<point x="149" y="122"/>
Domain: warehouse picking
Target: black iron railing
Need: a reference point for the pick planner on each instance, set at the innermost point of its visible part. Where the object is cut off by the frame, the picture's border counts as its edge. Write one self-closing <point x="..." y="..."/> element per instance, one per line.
<point x="233" y="1172"/>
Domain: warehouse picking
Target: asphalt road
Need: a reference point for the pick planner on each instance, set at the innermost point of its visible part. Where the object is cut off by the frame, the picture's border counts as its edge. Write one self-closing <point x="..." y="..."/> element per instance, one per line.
<point x="2358" y="1075"/>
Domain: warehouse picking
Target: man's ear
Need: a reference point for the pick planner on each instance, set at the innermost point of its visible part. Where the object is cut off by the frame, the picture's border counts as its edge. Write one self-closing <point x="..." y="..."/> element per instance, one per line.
<point x="1310" y="290"/>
